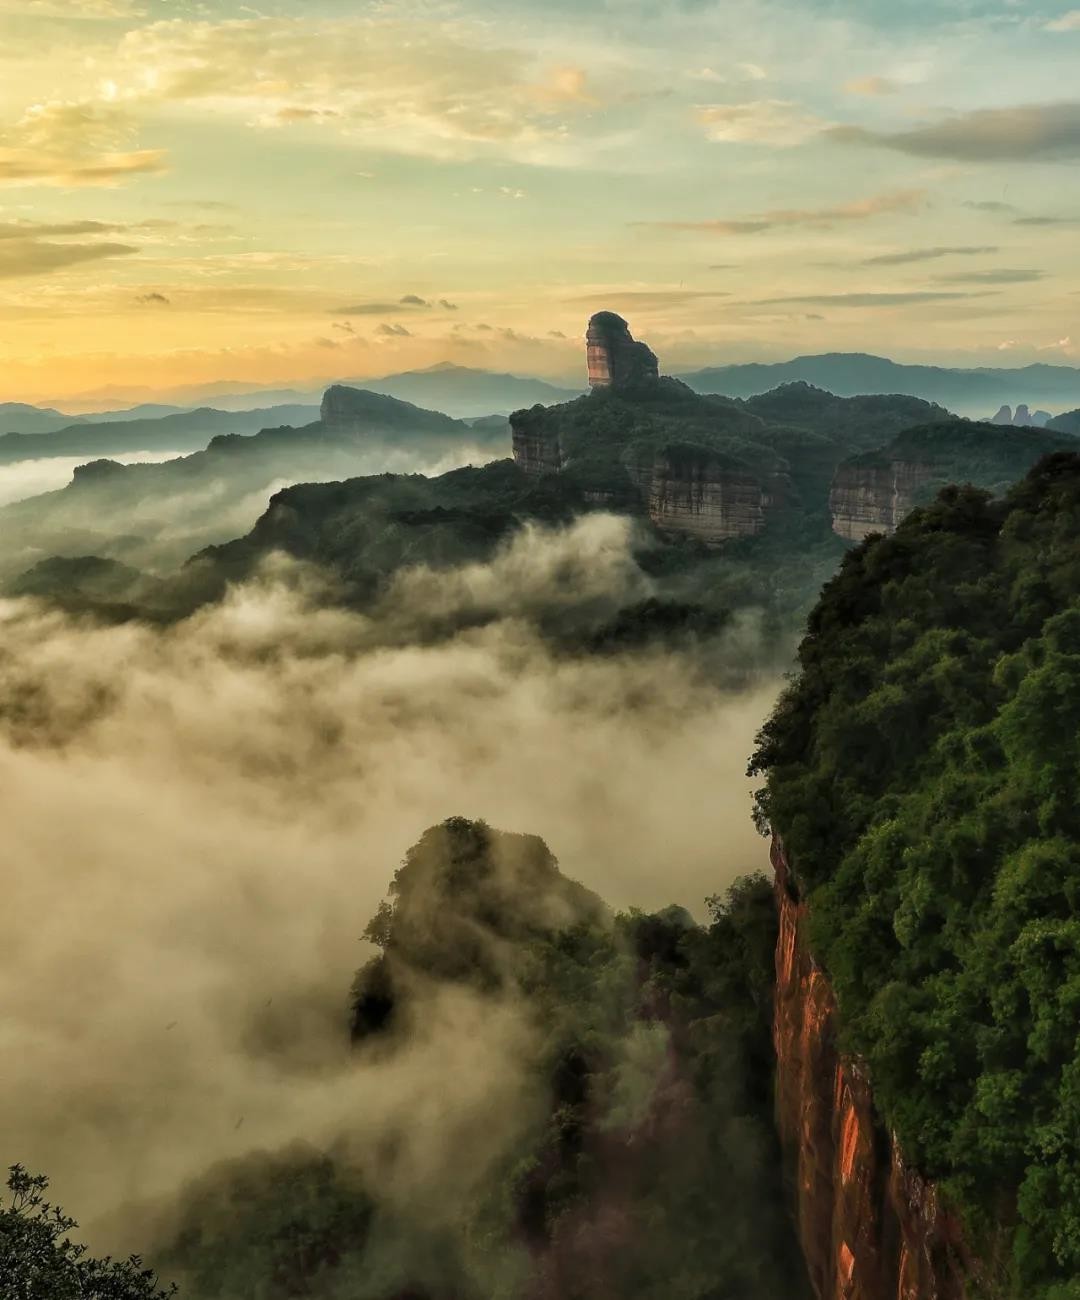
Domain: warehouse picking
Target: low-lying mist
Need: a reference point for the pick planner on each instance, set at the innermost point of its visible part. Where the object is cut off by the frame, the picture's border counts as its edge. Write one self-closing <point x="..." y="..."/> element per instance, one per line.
<point x="165" y="507"/>
<point x="200" y="820"/>
<point x="27" y="478"/>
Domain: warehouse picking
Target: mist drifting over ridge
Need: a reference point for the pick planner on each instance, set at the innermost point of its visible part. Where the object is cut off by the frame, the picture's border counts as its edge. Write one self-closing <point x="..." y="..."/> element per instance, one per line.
<point x="203" y="818"/>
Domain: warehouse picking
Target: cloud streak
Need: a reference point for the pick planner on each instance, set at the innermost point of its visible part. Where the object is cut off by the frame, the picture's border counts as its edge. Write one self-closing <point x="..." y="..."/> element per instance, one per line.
<point x="774" y="122"/>
<point x="30" y="257"/>
<point x="1002" y="275"/>
<point x="1025" y="133"/>
<point x="902" y="299"/>
<point x="908" y="200"/>
<point x="926" y="255"/>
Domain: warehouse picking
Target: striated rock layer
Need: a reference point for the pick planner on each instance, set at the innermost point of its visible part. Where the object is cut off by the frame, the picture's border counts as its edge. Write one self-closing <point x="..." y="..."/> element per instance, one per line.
<point x="614" y="358"/>
<point x="698" y="494"/>
<point x="870" y="1227"/>
<point x="873" y="498"/>
<point x="643" y="444"/>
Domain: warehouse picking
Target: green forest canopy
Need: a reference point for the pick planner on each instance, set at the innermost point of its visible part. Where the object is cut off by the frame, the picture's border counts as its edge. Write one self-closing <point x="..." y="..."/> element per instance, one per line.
<point x="922" y="771"/>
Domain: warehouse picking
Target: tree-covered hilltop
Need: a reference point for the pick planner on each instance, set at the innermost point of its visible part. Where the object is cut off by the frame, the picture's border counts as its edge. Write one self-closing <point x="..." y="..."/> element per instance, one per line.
<point x="922" y="771"/>
<point x="640" y="1160"/>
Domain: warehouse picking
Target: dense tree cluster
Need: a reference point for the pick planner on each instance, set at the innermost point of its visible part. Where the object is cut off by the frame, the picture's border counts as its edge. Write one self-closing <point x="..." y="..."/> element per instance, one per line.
<point x="39" y="1260"/>
<point x="922" y="770"/>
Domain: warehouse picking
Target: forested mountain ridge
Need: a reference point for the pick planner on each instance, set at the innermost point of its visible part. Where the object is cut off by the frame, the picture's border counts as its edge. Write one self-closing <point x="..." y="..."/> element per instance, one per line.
<point x="920" y="772"/>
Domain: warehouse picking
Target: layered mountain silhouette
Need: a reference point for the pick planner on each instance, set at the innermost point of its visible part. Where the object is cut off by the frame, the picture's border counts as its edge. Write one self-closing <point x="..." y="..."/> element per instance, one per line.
<point x="850" y="374"/>
<point x="157" y="514"/>
<point x="180" y="431"/>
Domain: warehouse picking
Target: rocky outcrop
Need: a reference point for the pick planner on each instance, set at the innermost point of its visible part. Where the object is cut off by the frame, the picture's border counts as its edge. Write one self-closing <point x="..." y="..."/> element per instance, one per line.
<point x="872" y="497"/>
<point x="700" y="494"/>
<point x="870" y="1227"/>
<point x="536" y="440"/>
<point x="646" y="444"/>
<point x="360" y="411"/>
<point x="615" y="359"/>
<point x="1022" y="418"/>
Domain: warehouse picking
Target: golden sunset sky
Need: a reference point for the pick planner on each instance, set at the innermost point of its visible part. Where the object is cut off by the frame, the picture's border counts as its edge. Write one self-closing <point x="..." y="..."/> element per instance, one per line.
<point x="288" y="193"/>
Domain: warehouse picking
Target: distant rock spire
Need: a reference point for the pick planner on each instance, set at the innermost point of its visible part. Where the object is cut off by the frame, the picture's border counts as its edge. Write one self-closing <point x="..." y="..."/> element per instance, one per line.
<point x="615" y="359"/>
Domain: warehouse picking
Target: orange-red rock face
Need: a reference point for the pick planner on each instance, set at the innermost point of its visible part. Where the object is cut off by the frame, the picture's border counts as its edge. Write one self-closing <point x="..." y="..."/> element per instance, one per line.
<point x="870" y="1227"/>
<point x="615" y="358"/>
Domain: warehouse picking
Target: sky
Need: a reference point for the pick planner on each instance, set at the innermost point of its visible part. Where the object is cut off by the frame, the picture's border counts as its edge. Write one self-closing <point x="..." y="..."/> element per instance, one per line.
<point x="288" y="193"/>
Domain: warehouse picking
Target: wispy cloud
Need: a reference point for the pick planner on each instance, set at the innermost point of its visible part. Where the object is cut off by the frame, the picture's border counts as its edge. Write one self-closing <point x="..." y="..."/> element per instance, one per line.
<point x="858" y="210"/>
<point x="409" y="302"/>
<point x="1025" y="133"/>
<point x="871" y="86"/>
<point x="73" y="144"/>
<point x="1069" y="22"/>
<point x="1002" y="275"/>
<point x="435" y="90"/>
<point x="926" y="255"/>
<point x="863" y="299"/>
<point x="775" y="122"/>
<point x="72" y="8"/>
<point x="645" y="297"/>
<point x="29" y="257"/>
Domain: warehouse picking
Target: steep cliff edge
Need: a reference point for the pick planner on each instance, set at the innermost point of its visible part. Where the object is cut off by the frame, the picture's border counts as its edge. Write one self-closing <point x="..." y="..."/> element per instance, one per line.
<point x="646" y="444"/>
<point x="873" y="491"/>
<point x="869" y="1226"/>
<point x="873" y="497"/>
<point x="706" y="495"/>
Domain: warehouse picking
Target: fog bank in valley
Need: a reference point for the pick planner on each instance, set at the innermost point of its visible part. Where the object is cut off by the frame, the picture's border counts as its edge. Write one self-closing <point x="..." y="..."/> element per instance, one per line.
<point x="27" y="478"/>
<point x="199" y="821"/>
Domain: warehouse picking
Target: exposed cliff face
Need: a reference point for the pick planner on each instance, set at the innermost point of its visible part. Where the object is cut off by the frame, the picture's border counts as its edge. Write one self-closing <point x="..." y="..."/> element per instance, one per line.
<point x="648" y="445"/>
<point x="873" y="491"/>
<point x="870" y="1227"/>
<point x="615" y="359"/>
<point x="699" y="494"/>
<point x="868" y="499"/>
<point x="536" y="442"/>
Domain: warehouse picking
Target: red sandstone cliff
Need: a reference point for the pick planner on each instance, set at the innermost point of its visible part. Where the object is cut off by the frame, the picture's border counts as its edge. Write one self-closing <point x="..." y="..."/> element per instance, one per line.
<point x="870" y="1227"/>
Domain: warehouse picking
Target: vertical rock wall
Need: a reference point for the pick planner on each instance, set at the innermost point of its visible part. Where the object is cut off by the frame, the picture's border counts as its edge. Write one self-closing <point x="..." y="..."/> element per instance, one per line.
<point x="692" y="492"/>
<point x="868" y="499"/>
<point x="614" y="358"/>
<point x="870" y="1227"/>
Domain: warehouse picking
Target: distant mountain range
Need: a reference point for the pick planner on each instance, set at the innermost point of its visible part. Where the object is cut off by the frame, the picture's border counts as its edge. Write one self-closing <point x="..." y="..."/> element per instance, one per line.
<point x="977" y="392"/>
<point x="18" y="417"/>
<point x="157" y="514"/>
<point x="460" y="391"/>
<point x="182" y="431"/>
<point x="466" y="393"/>
<point x="455" y="390"/>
